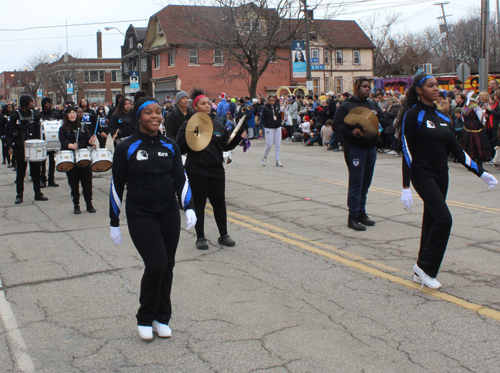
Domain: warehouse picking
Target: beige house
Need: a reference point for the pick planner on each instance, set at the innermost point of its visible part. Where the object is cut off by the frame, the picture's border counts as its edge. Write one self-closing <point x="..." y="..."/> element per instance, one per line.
<point x="340" y="52"/>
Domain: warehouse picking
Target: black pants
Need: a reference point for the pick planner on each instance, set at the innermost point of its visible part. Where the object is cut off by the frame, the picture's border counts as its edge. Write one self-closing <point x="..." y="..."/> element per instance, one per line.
<point x="102" y="141"/>
<point x="21" y="172"/>
<point x="52" y="168"/>
<point x="156" y="240"/>
<point x="436" y="223"/>
<point x="81" y="175"/>
<point x="5" y="151"/>
<point x="214" y="188"/>
<point x="361" y="164"/>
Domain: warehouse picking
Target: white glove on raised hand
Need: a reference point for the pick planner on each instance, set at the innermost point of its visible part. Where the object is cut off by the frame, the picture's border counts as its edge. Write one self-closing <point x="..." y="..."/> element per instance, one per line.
<point x="116" y="235"/>
<point x="407" y="198"/>
<point x="190" y="218"/>
<point x="489" y="180"/>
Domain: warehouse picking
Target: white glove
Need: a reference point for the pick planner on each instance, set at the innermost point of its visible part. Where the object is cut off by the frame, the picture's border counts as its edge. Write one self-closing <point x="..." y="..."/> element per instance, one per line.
<point x="190" y="218"/>
<point x="489" y="180"/>
<point x="407" y="198"/>
<point x="116" y="235"/>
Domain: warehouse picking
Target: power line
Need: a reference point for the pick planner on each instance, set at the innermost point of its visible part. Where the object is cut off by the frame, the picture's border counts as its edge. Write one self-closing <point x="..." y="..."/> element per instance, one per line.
<point x="56" y="37"/>
<point x="73" y="25"/>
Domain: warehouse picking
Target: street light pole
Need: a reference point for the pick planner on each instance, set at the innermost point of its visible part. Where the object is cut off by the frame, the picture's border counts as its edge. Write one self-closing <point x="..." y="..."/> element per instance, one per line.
<point x="308" y="61"/>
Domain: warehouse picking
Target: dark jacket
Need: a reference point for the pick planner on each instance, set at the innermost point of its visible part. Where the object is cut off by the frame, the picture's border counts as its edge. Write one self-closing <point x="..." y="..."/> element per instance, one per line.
<point x="340" y="127"/>
<point x="125" y="124"/>
<point x="174" y="121"/>
<point x="151" y="167"/>
<point x="392" y="115"/>
<point x="332" y="107"/>
<point x="68" y="136"/>
<point x="496" y="120"/>
<point x="270" y="116"/>
<point x="208" y="162"/>
<point x="21" y="128"/>
<point x="427" y="141"/>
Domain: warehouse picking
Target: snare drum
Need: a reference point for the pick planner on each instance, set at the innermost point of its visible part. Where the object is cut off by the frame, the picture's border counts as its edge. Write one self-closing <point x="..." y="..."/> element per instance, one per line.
<point x="82" y="157"/>
<point x="102" y="160"/>
<point x="50" y="133"/>
<point x="35" y="150"/>
<point x="65" y="160"/>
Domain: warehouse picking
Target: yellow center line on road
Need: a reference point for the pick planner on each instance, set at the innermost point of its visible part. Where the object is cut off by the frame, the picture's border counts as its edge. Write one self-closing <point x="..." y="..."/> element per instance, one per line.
<point x="248" y="223"/>
<point x="463" y="205"/>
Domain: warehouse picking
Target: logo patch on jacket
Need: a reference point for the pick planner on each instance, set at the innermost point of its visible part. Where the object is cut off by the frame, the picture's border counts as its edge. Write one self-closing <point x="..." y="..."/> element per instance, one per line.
<point x="430" y="124"/>
<point x="162" y="154"/>
<point x="217" y="134"/>
<point x="142" y="155"/>
<point x="355" y="162"/>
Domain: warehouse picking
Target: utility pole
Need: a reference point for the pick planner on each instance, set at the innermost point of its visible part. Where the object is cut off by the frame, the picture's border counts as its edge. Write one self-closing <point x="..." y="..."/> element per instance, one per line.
<point x="485" y="48"/>
<point x="308" y="60"/>
<point x="450" y="50"/>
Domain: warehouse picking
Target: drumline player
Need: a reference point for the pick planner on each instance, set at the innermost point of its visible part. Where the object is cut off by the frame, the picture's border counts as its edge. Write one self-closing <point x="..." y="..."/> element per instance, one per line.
<point x="21" y="128"/>
<point x="47" y="113"/>
<point x="102" y="130"/>
<point x="206" y="172"/>
<point x="72" y="137"/>
<point x="122" y="123"/>
<point x="150" y="165"/>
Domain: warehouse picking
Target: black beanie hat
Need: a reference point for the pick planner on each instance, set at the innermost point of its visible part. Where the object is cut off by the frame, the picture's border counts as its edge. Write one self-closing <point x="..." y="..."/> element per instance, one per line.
<point x="25" y="100"/>
<point x="45" y="100"/>
<point x="70" y="108"/>
<point x="141" y="104"/>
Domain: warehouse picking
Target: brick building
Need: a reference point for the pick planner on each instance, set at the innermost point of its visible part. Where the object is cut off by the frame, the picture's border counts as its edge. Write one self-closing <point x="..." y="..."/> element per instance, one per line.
<point x="13" y="84"/>
<point x="180" y="63"/>
<point x="96" y="79"/>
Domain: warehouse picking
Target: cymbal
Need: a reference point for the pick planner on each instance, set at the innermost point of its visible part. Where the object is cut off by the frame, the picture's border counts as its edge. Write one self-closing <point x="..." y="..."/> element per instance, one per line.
<point x="199" y="131"/>
<point x="366" y="119"/>
<point x="236" y="129"/>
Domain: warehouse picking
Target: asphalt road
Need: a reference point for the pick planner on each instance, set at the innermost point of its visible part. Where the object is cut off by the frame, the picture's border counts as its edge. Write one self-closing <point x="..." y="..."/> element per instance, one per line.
<point x="300" y="292"/>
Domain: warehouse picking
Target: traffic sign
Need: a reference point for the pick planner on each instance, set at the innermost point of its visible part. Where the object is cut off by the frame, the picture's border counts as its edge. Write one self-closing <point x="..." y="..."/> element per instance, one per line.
<point x="463" y="72"/>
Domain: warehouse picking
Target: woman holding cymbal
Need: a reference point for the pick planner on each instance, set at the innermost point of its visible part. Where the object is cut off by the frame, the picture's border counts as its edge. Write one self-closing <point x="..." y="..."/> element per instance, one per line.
<point x="206" y="171"/>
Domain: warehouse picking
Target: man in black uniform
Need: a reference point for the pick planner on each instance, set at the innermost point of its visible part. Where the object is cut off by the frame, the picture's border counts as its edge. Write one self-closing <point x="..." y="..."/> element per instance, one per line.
<point x="47" y="113"/>
<point x="360" y="154"/>
<point x="179" y="115"/>
<point x="21" y="128"/>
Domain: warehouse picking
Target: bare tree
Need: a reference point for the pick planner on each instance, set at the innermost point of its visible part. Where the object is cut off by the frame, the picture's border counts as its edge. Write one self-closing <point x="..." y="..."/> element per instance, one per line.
<point x="250" y="35"/>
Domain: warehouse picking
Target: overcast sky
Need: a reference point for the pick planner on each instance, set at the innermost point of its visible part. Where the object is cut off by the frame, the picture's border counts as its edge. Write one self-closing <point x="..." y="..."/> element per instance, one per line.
<point x="17" y="46"/>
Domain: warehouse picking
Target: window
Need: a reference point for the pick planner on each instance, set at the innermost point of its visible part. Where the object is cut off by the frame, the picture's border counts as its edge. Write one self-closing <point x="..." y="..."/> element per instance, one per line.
<point x="144" y="64"/>
<point x="171" y="58"/>
<point x="157" y="61"/>
<point x="316" y="85"/>
<point x="193" y="56"/>
<point x="159" y="31"/>
<point x="326" y="85"/>
<point x="218" y="56"/>
<point x="356" y="58"/>
<point x="7" y="85"/>
<point x="326" y="56"/>
<point x="314" y="53"/>
<point x="95" y="96"/>
<point x="18" y="83"/>
<point x="95" y="76"/>
<point x="125" y="67"/>
<point x="116" y="75"/>
<point x="130" y="42"/>
<point x="339" y="58"/>
<point x="250" y="27"/>
<point x="338" y="85"/>
<point x="272" y="58"/>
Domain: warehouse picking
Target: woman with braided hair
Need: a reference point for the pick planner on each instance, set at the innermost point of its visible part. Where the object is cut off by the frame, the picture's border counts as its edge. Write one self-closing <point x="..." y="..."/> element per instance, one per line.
<point x="427" y="141"/>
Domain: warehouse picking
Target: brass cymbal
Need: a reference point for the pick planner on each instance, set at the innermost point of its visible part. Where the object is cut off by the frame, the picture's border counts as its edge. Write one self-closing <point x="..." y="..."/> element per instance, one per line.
<point x="199" y="131"/>
<point x="366" y="119"/>
<point x="236" y="129"/>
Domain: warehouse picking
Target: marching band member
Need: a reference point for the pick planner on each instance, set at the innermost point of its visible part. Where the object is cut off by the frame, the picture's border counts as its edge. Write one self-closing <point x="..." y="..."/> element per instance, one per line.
<point x="206" y="172"/>
<point x="47" y="113"/>
<point x="21" y="128"/>
<point x="102" y="130"/>
<point x="150" y="165"/>
<point x="270" y="117"/>
<point x="360" y="154"/>
<point x="72" y="136"/>
<point x="4" y="125"/>
<point x="122" y="123"/>
<point x="427" y="141"/>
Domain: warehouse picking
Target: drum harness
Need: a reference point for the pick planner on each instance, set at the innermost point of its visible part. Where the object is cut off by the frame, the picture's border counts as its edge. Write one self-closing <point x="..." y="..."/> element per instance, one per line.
<point x="25" y="127"/>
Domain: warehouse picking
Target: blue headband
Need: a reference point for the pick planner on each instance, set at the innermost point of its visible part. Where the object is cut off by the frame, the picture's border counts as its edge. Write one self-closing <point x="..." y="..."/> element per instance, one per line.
<point x="138" y="114"/>
<point x="423" y="80"/>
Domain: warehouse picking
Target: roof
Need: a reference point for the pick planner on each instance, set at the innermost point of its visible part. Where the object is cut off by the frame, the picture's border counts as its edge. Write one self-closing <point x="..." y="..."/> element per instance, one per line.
<point x="141" y="33"/>
<point x="181" y="23"/>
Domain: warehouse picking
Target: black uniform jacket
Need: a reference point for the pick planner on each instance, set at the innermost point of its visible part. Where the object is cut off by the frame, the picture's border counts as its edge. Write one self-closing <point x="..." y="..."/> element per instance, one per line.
<point x="427" y="141"/>
<point x="174" y="121"/>
<point x="151" y="167"/>
<point x="340" y="127"/>
<point x="125" y="124"/>
<point x="21" y="128"/>
<point x="208" y="162"/>
<point x="68" y="136"/>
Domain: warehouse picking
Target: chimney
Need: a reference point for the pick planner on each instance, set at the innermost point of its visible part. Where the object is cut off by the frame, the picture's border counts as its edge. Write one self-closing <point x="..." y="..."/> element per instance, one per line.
<point x="99" y="44"/>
